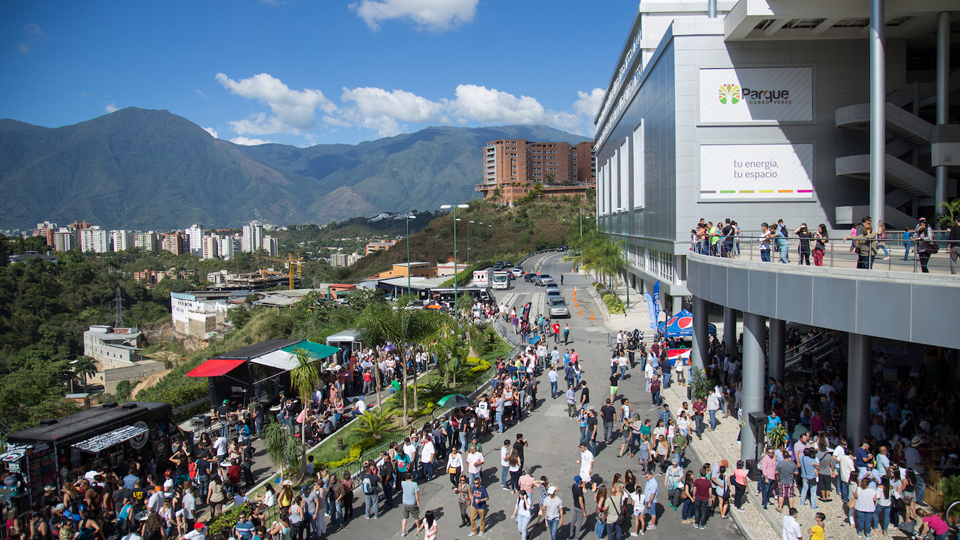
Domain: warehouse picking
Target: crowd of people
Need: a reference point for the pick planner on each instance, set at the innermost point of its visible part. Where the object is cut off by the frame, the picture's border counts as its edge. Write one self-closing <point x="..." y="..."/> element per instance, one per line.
<point x="867" y="239"/>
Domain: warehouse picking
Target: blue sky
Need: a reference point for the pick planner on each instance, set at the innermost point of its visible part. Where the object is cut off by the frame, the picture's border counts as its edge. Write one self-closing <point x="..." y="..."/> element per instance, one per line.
<point x="312" y="72"/>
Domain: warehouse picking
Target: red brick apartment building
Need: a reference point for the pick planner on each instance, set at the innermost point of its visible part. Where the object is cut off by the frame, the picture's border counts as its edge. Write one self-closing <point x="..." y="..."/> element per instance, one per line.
<point x="514" y="165"/>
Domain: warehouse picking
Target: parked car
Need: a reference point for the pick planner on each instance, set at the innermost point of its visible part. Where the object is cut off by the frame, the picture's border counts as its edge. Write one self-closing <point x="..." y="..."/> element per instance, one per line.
<point x="553" y="293"/>
<point x="558" y="308"/>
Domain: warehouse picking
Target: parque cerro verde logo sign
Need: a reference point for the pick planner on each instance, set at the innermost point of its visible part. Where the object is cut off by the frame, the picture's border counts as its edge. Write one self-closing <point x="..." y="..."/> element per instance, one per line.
<point x="732" y="94"/>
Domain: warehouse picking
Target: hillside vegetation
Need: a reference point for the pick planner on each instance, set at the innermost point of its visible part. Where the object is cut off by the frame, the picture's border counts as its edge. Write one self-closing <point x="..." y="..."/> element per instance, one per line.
<point x="505" y="234"/>
<point x="149" y="169"/>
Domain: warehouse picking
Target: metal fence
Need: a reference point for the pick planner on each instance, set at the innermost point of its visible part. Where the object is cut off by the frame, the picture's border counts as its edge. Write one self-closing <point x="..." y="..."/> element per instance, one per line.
<point x="894" y="253"/>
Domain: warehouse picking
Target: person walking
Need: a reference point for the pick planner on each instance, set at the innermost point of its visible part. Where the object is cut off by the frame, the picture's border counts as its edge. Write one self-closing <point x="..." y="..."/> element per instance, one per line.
<point x="701" y="499"/>
<point x="579" y="508"/>
<point x="478" y="510"/>
<point x="553" y="511"/>
<point x="463" y="499"/>
<point x="411" y="503"/>
<point x="923" y="237"/>
<point x="522" y="515"/>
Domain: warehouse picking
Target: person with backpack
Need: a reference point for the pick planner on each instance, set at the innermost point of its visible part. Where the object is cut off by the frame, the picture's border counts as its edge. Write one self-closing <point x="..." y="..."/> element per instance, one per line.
<point x="370" y="485"/>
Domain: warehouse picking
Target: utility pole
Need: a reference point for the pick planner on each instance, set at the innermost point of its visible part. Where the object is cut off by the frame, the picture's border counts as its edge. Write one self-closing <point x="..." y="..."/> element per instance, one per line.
<point x="456" y="293"/>
<point x="118" y="302"/>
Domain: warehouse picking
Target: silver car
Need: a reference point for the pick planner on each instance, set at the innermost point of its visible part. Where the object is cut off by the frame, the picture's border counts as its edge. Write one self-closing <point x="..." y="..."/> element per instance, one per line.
<point x="558" y="308"/>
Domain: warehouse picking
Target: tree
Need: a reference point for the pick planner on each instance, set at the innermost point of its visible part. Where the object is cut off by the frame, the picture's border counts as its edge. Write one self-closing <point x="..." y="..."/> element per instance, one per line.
<point x="304" y="378"/>
<point x="380" y="323"/>
<point x="375" y="424"/>
<point x="952" y="209"/>
<point x="83" y="367"/>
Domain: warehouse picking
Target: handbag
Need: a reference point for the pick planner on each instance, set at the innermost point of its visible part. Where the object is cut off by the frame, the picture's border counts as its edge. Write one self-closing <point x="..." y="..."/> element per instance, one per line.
<point x="933" y="247"/>
<point x="452" y="470"/>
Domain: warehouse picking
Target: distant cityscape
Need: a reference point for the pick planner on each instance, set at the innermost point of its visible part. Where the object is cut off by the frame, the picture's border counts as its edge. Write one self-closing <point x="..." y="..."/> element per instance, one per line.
<point x="194" y="240"/>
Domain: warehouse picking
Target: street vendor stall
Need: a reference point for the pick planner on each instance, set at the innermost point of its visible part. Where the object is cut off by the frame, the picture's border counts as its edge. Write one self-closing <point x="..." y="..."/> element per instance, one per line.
<point x="53" y="451"/>
<point x="258" y="372"/>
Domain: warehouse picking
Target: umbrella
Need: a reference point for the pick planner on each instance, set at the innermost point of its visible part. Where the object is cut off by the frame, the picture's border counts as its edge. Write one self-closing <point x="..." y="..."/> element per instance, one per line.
<point x="454" y="401"/>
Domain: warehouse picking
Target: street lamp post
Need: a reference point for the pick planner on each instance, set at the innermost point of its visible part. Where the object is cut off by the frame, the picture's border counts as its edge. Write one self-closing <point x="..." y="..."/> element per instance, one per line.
<point x="468" y="241"/>
<point x="488" y="241"/>
<point x="409" y="217"/>
<point x="456" y="294"/>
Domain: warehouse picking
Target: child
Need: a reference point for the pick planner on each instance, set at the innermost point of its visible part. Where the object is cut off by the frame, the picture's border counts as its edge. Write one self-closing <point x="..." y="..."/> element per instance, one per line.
<point x="816" y="532"/>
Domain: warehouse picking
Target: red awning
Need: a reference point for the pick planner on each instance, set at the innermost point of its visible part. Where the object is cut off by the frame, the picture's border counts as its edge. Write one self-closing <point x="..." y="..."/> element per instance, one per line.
<point x="214" y="368"/>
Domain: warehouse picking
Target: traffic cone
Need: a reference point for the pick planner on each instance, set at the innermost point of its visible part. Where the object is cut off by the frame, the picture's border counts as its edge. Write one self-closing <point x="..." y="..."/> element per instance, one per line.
<point x="581" y="312"/>
<point x="591" y="316"/>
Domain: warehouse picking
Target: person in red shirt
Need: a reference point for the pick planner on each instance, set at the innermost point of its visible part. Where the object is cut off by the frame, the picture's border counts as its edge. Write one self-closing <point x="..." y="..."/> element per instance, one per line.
<point x="701" y="499"/>
<point x="699" y="407"/>
<point x="556" y="332"/>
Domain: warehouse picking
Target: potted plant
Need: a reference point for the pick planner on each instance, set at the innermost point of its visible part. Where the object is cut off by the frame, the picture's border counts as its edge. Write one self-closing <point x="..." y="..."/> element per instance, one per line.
<point x="949" y="487"/>
<point x="778" y="437"/>
<point x="700" y="386"/>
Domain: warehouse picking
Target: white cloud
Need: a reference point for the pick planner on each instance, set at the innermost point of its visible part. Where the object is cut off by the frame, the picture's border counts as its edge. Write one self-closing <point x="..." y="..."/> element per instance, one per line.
<point x="389" y="111"/>
<point x="110" y="107"/>
<point x="587" y="105"/>
<point x="200" y="93"/>
<point x="34" y="36"/>
<point x="435" y="15"/>
<point x="293" y="109"/>
<point x="249" y="142"/>
<point x="212" y="132"/>
<point x="383" y="110"/>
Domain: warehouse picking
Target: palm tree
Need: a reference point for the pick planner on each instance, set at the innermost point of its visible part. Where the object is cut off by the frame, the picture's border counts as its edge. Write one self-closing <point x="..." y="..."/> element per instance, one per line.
<point x="304" y="378"/>
<point x="375" y="423"/>
<point x="380" y="323"/>
<point x="83" y="367"/>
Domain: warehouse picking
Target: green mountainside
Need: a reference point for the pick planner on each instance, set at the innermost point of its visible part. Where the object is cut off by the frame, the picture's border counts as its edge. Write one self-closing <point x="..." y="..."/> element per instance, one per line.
<point x="148" y="169"/>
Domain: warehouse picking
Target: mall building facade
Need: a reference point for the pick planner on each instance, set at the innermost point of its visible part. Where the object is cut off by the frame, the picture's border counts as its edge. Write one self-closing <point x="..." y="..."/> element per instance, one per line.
<point x="759" y="110"/>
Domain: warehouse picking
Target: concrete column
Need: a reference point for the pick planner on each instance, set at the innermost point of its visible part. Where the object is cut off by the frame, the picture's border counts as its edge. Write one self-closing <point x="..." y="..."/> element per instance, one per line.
<point x="878" y="115"/>
<point x="858" y="387"/>
<point x="677" y="304"/>
<point x="730" y="329"/>
<point x="943" y="99"/>
<point x="701" y="339"/>
<point x="754" y="330"/>
<point x="778" y="347"/>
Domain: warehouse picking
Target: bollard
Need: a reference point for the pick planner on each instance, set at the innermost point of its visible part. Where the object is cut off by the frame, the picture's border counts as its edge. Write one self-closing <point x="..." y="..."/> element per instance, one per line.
<point x="339" y="444"/>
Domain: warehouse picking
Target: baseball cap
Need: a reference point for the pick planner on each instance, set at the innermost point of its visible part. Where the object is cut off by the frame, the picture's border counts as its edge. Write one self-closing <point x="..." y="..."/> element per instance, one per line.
<point x="576" y="479"/>
<point x="198" y="526"/>
<point x="551" y="490"/>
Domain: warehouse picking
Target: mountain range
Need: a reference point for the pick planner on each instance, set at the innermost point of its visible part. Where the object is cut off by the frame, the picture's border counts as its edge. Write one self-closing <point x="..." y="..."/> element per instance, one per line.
<point x="151" y="169"/>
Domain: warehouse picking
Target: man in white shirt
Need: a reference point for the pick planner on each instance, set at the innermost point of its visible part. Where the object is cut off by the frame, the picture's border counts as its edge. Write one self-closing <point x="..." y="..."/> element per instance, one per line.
<point x="155" y="502"/>
<point x="221" y="445"/>
<point x="586" y="463"/>
<point x="553" y="378"/>
<point x="196" y="534"/>
<point x="791" y="528"/>
<point x="426" y="459"/>
<point x="505" y="464"/>
<point x="189" y="507"/>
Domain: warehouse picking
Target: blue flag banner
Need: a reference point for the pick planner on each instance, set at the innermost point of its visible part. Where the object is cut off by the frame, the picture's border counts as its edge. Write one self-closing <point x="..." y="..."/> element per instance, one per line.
<point x="652" y="309"/>
<point x="656" y="299"/>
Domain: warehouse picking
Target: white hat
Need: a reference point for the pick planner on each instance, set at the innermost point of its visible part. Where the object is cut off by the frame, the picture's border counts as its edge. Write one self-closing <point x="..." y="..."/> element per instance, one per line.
<point x="551" y="490"/>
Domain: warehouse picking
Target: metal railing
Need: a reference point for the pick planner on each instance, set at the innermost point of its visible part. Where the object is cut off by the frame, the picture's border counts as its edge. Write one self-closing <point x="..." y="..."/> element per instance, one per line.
<point x="894" y="253"/>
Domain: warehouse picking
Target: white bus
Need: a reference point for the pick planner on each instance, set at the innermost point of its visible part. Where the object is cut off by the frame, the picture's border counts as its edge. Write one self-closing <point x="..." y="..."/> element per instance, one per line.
<point x="501" y="280"/>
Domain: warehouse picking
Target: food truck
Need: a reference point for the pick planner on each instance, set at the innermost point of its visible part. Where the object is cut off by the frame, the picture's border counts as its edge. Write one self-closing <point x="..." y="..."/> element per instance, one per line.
<point x="52" y="452"/>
